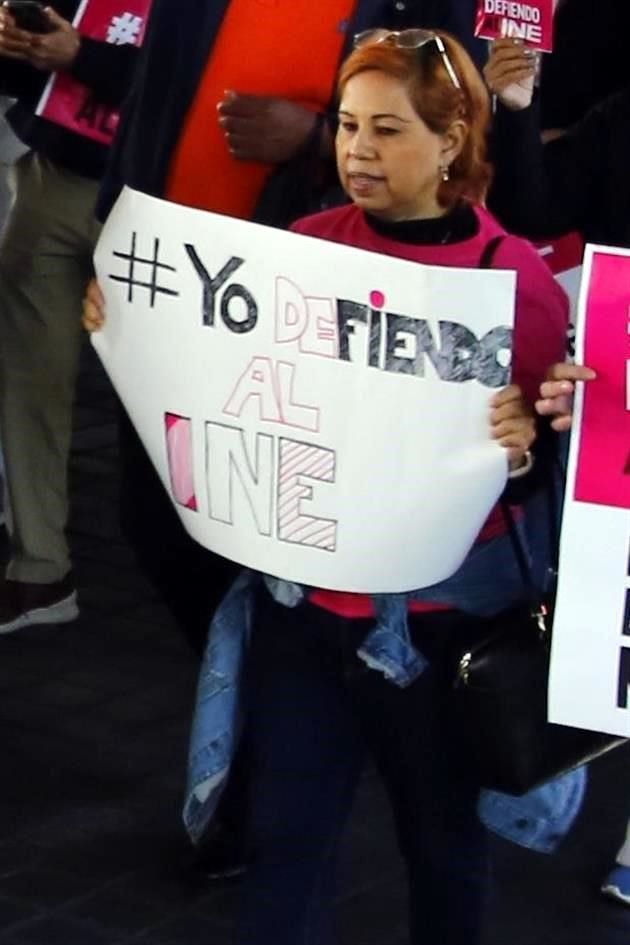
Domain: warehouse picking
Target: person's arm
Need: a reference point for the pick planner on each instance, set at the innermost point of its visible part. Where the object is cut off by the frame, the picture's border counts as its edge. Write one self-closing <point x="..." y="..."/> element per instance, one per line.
<point x="544" y="190"/>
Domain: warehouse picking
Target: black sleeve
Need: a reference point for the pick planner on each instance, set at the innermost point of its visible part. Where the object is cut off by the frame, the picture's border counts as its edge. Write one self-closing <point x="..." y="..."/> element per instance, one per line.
<point x="545" y="453"/>
<point x="105" y="68"/>
<point x="540" y="190"/>
<point x="18" y="79"/>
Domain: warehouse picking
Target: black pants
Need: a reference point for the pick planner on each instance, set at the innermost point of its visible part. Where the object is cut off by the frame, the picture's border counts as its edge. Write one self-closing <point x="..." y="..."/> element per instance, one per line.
<point x="316" y="711"/>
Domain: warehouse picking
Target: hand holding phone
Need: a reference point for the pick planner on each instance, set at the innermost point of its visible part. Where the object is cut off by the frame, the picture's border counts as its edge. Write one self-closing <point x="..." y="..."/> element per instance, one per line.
<point x="29" y="15"/>
<point x="49" y="46"/>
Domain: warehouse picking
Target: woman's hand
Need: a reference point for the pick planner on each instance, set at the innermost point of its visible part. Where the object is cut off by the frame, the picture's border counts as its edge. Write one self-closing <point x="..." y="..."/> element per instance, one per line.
<point x="512" y="424"/>
<point x="556" y="393"/>
<point x="93" y="307"/>
<point x="510" y="72"/>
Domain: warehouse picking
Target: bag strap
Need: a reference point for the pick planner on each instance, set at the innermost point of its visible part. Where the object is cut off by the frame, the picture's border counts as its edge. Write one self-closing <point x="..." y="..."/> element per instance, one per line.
<point x="518" y="547"/>
<point x="538" y="608"/>
<point x="520" y="552"/>
<point x="490" y="250"/>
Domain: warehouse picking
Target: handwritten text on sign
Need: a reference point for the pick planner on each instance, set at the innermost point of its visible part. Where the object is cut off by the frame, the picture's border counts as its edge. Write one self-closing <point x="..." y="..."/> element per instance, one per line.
<point x="315" y="411"/>
<point x="591" y="639"/>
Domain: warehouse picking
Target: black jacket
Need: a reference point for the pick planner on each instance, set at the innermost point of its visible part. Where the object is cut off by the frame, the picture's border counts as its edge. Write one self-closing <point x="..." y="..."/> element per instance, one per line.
<point x="106" y="69"/>
<point x="579" y="181"/>
<point x="589" y="61"/>
<point x="179" y="39"/>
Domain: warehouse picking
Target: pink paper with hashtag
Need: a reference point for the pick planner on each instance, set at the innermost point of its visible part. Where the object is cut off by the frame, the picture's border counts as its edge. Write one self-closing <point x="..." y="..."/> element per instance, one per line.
<point x="603" y="464"/>
<point x="70" y="103"/>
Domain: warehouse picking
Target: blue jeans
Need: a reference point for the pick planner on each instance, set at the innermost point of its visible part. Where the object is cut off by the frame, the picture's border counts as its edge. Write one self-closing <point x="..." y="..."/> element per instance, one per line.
<point x="315" y="711"/>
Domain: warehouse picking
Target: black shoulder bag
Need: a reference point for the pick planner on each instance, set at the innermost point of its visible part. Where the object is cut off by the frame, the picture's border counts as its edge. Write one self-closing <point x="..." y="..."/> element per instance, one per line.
<point x="500" y="697"/>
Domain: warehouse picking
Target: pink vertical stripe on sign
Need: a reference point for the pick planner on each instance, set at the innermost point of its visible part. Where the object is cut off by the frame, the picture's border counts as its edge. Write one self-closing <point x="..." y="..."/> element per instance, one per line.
<point x="603" y="467"/>
<point x="180" y="462"/>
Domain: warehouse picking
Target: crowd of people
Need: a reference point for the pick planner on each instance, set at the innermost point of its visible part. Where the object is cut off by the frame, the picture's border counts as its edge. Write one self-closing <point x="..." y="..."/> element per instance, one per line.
<point x="396" y="138"/>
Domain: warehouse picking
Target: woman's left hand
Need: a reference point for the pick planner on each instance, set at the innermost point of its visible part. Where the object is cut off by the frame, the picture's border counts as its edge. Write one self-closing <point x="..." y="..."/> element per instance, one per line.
<point x="512" y="423"/>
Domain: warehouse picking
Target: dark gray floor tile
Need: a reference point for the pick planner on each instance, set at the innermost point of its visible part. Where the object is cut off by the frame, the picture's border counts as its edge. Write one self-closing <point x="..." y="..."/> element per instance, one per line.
<point x="58" y="930"/>
<point x="14" y="909"/>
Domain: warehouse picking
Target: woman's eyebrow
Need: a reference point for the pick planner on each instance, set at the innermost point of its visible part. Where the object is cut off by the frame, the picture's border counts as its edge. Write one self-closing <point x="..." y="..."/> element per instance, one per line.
<point x="343" y="111"/>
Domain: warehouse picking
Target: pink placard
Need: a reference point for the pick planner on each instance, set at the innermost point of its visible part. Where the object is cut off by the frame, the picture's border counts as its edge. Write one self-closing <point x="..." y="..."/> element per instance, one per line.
<point x="70" y="103"/>
<point x="531" y="21"/>
<point x="603" y="464"/>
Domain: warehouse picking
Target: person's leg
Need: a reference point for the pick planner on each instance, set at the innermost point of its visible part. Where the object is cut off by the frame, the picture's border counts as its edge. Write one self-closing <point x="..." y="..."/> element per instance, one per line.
<point x="45" y="261"/>
<point x="306" y="755"/>
<point x="434" y="801"/>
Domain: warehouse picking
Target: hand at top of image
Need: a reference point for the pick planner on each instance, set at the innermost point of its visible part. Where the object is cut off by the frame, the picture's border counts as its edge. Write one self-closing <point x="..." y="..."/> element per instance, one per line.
<point x="510" y="72"/>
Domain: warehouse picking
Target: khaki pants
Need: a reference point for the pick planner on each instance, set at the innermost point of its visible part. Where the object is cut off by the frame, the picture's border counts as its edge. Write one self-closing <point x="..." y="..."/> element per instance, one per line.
<point x="45" y="264"/>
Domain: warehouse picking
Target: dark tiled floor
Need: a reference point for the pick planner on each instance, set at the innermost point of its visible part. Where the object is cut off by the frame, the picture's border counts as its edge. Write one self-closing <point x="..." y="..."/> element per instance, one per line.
<point x="93" y="728"/>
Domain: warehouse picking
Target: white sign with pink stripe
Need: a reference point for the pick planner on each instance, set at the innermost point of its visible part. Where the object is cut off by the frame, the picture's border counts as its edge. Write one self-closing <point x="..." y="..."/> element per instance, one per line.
<point x="315" y="411"/>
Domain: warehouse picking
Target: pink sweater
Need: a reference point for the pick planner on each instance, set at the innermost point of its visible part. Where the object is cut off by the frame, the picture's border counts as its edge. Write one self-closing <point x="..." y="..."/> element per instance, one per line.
<point x="541" y="317"/>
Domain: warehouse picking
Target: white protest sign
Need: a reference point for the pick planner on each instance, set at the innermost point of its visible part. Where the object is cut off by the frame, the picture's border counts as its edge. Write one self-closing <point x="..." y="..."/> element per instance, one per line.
<point x="315" y="411"/>
<point x="590" y="667"/>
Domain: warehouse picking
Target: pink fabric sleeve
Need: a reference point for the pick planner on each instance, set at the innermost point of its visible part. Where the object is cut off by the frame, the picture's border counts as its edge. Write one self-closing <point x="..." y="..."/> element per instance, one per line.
<point x="541" y="316"/>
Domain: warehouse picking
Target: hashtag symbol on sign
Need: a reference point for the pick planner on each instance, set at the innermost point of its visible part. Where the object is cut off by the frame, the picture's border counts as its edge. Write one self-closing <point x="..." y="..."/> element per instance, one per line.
<point x="124" y="29"/>
<point x="145" y="264"/>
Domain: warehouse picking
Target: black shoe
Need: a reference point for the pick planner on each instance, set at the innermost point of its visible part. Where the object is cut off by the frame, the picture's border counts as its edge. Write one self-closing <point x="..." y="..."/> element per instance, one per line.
<point x="219" y="856"/>
<point x="23" y="603"/>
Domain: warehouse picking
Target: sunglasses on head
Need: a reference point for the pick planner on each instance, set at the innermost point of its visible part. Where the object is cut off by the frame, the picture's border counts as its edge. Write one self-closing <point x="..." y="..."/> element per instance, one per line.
<point x="409" y="39"/>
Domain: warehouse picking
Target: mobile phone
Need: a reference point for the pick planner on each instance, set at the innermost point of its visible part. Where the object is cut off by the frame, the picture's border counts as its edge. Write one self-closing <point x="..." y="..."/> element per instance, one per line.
<point x="29" y="15"/>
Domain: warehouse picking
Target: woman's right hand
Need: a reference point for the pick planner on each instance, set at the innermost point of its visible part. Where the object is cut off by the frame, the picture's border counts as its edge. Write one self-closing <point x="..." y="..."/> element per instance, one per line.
<point x="93" y="307"/>
<point x="556" y="393"/>
<point x="510" y="72"/>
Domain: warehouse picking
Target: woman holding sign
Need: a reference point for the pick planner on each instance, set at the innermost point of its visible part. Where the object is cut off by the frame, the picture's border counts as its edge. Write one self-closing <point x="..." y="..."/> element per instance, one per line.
<point x="410" y="150"/>
<point x="324" y="685"/>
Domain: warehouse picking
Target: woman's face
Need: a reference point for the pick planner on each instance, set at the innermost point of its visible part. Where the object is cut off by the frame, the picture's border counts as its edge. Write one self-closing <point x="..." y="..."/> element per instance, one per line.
<point x="389" y="162"/>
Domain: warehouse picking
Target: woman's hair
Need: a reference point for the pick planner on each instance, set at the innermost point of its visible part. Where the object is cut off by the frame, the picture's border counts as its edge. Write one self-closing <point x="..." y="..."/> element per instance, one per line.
<point x="438" y="102"/>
